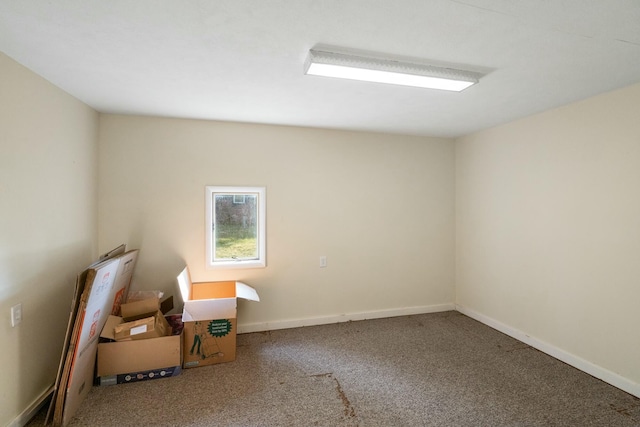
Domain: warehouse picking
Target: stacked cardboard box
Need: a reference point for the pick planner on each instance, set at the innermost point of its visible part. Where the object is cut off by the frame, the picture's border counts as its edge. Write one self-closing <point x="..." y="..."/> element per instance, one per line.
<point x="140" y="344"/>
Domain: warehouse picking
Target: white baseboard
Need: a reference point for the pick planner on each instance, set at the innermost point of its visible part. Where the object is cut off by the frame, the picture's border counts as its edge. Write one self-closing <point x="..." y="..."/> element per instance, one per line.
<point x="348" y="317"/>
<point x="26" y="415"/>
<point x="594" y="370"/>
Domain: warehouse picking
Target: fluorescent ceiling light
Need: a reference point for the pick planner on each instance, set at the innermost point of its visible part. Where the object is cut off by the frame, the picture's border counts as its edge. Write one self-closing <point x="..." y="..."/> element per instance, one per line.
<point x="330" y="64"/>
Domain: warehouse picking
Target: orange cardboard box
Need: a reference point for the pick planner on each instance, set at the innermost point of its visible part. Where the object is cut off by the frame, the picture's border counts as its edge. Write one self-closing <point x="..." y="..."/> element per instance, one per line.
<point x="209" y="317"/>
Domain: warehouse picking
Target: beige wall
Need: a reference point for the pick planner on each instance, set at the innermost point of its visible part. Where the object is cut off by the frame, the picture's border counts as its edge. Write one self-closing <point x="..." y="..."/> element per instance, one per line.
<point x="48" y="225"/>
<point x="380" y="207"/>
<point x="545" y="212"/>
<point x="548" y="231"/>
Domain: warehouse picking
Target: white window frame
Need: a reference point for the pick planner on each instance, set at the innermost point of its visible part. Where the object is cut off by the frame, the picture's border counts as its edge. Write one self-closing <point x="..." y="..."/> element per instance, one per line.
<point x="261" y="260"/>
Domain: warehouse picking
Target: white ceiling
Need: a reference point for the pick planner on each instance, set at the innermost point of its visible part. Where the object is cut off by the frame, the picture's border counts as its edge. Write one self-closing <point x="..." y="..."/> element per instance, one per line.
<point x="242" y="60"/>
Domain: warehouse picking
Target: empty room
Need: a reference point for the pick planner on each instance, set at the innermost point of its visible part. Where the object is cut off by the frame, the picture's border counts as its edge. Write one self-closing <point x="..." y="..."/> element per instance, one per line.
<point x="429" y="211"/>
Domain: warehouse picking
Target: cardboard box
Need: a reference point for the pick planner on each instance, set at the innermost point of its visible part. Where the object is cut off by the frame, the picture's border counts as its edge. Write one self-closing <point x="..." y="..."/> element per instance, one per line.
<point x="139" y="359"/>
<point x="148" y="327"/>
<point x="140" y="320"/>
<point x="209" y="317"/>
<point x="202" y="347"/>
<point x="122" y="358"/>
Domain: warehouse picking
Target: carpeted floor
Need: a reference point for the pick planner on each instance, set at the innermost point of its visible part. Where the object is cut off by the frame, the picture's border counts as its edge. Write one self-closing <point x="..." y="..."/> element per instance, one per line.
<point x="441" y="369"/>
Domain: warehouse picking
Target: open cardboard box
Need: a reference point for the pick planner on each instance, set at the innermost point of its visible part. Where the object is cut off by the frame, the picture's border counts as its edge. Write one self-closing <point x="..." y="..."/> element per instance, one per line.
<point x="148" y="327"/>
<point x="141" y="320"/>
<point x="138" y="359"/>
<point x="210" y="317"/>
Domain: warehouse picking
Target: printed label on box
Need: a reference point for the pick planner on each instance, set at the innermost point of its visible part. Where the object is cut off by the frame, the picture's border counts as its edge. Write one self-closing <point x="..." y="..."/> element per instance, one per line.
<point x="139" y="330"/>
<point x="140" y="376"/>
<point x="219" y="328"/>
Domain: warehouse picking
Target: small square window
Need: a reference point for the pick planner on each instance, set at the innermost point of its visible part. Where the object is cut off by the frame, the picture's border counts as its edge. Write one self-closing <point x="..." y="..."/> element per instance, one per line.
<point x="235" y="224"/>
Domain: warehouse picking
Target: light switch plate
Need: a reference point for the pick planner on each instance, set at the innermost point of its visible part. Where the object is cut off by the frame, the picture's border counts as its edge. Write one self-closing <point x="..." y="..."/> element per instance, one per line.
<point x="16" y="315"/>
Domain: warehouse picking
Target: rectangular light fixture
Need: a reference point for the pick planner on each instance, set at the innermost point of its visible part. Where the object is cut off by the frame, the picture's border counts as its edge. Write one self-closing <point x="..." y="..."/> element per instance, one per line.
<point x="331" y="64"/>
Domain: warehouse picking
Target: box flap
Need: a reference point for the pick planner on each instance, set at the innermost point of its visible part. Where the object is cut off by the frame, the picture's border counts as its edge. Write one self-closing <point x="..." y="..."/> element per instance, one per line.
<point x="245" y="291"/>
<point x="223" y="308"/>
<point x="166" y="305"/>
<point x="108" y="330"/>
<point x="184" y="283"/>
<point x="139" y="309"/>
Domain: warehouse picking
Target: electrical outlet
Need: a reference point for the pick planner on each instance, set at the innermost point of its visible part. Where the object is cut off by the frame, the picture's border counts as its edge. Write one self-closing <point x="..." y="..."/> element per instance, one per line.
<point x="323" y="261"/>
<point x="16" y="315"/>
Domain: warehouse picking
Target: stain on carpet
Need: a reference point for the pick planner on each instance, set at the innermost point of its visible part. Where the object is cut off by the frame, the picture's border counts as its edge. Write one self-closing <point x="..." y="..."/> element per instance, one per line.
<point x="349" y="410"/>
<point x="631" y="410"/>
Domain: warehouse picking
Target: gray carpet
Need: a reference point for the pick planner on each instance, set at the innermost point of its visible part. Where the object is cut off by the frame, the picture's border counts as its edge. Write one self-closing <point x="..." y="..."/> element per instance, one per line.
<point x="441" y="369"/>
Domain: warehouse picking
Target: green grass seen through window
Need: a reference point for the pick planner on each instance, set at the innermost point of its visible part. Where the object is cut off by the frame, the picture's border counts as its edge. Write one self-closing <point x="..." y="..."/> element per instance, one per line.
<point x="233" y="241"/>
